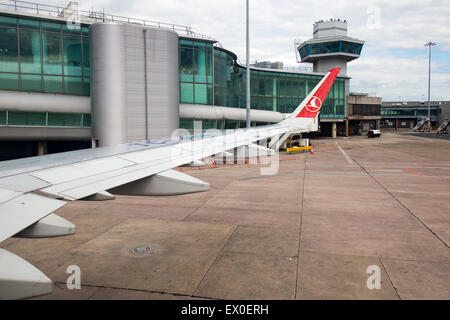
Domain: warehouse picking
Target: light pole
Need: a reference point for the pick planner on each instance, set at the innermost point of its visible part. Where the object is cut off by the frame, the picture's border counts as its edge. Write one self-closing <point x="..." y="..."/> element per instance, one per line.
<point x="429" y="45"/>
<point x="247" y="116"/>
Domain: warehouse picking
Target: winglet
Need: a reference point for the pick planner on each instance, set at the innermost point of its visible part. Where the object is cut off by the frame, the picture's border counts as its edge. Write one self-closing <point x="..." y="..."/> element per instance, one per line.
<point x="310" y="106"/>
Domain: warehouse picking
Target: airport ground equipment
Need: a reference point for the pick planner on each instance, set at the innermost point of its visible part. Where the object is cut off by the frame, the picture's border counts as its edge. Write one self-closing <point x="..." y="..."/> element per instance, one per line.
<point x="299" y="149"/>
<point x="422" y="126"/>
<point x="374" y="133"/>
<point x="443" y="128"/>
<point x="419" y="126"/>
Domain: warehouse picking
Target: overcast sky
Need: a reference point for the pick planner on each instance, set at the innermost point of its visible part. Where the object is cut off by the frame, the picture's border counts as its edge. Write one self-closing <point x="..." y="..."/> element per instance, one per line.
<point x="393" y="63"/>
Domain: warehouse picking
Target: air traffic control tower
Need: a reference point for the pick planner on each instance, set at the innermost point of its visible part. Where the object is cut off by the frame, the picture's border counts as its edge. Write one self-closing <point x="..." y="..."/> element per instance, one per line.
<point x="330" y="46"/>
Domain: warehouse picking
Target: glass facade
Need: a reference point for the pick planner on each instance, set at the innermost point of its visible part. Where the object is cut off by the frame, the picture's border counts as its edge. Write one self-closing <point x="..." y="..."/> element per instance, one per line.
<point x="40" y="56"/>
<point x="196" y="76"/>
<point x="269" y="89"/>
<point x="409" y="112"/>
<point x="225" y="80"/>
<point x="2" y="117"/>
<point x="217" y="124"/>
<point x="44" y="119"/>
<point x="24" y="118"/>
<point x="330" y="47"/>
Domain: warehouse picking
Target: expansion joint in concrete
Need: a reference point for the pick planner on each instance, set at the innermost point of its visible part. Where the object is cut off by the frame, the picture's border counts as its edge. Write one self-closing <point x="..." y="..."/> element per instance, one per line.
<point x="300" y="229"/>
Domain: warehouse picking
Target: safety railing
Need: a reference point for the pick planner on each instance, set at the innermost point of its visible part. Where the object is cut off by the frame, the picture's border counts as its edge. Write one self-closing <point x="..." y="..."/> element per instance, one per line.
<point x="299" y="69"/>
<point x="93" y="16"/>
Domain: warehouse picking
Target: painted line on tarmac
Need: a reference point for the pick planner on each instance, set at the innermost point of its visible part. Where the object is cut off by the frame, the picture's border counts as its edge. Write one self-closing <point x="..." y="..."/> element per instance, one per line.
<point x="385" y="165"/>
<point x="416" y="173"/>
<point x="325" y="173"/>
<point x="425" y="175"/>
<point x="345" y="154"/>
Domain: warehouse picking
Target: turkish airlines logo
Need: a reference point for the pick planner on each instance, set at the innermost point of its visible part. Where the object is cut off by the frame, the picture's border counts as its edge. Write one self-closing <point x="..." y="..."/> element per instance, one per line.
<point x="314" y="104"/>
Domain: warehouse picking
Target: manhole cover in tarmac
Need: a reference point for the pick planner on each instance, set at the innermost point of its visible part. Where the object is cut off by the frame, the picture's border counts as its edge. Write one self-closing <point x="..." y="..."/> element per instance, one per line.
<point x="141" y="249"/>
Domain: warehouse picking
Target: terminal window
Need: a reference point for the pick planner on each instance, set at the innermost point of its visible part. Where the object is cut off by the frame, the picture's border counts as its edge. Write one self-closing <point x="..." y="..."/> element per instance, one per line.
<point x="196" y="72"/>
<point x="41" y="56"/>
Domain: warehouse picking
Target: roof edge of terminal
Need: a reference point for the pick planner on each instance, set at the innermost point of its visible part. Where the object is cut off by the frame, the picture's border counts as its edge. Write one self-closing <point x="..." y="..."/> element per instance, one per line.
<point x="433" y="103"/>
<point x="19" y="14"/>
<point x="234" y="55"/>
<point x="291" y="72"/>
<point x="199" y="38"/>
<point x="40" y="11"/>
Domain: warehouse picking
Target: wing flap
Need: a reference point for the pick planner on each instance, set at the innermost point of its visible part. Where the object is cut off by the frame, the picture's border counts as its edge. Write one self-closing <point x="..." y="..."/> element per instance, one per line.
<point x="6" y="195"/>
<point x="22" y="183"/>
<point x="114" y="179"/>
<point x="21" y="212"/>
<point x="150" y="162"/>
<point x="81" y="170"/>
<point x="147" y="155"/>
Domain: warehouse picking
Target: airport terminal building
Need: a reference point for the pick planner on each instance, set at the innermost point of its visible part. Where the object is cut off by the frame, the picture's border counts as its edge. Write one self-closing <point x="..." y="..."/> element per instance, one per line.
<point x="401" y="115"/>
<point x="106" y="79"/>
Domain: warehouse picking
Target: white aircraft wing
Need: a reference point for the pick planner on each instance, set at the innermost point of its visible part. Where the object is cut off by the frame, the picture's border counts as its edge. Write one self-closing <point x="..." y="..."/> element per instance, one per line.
<point x="32" y="189"/>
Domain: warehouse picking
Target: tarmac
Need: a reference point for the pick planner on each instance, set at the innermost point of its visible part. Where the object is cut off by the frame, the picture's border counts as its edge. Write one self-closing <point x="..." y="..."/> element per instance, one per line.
<point x="311" y="231"/>
<point x="430" y="135"/>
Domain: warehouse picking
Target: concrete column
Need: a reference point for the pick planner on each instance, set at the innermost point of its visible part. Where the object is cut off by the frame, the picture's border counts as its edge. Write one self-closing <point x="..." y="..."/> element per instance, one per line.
<point x="42" y="148"/>
<point x="346" y="127"/>
<point x="333" y="130"/>
<point x="378" y="125"/>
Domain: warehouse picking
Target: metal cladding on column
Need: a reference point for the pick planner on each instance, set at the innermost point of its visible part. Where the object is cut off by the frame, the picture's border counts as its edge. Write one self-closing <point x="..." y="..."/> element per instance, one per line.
<point x="162" y="82"/>
<point x="108" y="89"/>
<point x="135" y="90"/>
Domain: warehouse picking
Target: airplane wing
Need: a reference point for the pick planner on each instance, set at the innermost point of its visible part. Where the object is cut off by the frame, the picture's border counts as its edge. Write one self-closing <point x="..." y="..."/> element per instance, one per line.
<point x="32" y="189"/>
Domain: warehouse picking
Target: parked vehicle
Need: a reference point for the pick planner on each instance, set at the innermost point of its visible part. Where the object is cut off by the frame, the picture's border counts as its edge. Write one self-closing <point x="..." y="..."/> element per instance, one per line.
<point x="374" y="133"/>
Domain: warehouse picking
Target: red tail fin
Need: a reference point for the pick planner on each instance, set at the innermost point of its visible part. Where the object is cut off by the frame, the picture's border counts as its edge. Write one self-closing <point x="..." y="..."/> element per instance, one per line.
<point x="316" y="98"/>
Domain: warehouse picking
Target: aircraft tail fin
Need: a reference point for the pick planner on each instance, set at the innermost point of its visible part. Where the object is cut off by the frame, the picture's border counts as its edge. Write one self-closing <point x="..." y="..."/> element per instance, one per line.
<point x="310" y="106"/>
